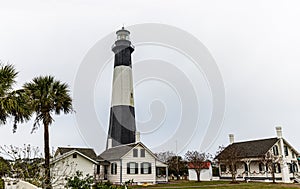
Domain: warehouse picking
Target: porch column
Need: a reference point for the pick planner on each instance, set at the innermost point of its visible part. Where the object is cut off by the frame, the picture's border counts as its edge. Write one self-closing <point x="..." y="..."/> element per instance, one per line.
<point x="248" y="167"/>
<point x="248" y="173"/>
<point x="167" y="174"/>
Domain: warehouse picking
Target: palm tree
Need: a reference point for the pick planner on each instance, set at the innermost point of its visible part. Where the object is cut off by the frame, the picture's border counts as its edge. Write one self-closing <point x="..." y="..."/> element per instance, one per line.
<point x="47" y="97"/>
<point x="13" y="103"/>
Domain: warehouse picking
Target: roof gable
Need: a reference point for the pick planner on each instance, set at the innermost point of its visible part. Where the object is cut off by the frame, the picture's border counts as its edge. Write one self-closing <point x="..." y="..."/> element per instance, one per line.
<point x="118" y="152"/>
<point x="86" y="151"/>
<point x="248" y="149"/>
<point x="69" y="153"/>
<point x="202" y="165"/>
<point x="292" y="148"/>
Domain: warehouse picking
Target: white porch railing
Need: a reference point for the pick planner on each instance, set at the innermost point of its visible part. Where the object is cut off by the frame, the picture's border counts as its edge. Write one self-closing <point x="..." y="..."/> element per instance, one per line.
<point x="297" y="177"/>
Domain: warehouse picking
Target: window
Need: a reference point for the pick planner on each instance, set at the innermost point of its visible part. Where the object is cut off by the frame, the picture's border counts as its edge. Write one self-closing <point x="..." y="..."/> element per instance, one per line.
<point x="142" y="152"/>
<point x="275" y="150"/>
<point x="74" y="155"/>
<point x="223" y="168"/>
<point x="132" y="168"/>
<point x="290" y="167"/>
<point x="98" y="170"/>
<point x="230" y="168"/>
<point x="277" y="168"/>
<point x="293" y="154"/>
<point x="113" y="168"/>
<point x="286" y="151"/>
<point x="295" y="167"/>
<point x="261" y="167"/>
<point x="145" y="168"/>
<point x="135" y="153"/>
<point x="246" y="167"/>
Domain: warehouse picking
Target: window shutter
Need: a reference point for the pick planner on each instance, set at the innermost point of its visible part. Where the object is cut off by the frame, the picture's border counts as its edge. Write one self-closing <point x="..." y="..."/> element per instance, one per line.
<point x="136" y="168"/>
<point x="112" y="168"/>
<point x="260" y="167"/>
<point x="115" y="168"/>
<point x="279" y="169"/>
<point x="149" y="168"/>
<point x="128" y="168"/>
<point x="142" y="168"/>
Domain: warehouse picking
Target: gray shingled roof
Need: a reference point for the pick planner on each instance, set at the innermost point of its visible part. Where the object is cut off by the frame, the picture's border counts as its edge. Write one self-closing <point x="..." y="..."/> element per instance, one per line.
<point x="86" y="151"/>
<point x="247" y="149"/>
<point x="116" y="152"/>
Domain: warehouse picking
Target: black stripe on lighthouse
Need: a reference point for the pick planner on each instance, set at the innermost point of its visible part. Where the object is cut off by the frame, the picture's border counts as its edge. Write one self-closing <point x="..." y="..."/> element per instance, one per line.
<point x="122" y="126"/>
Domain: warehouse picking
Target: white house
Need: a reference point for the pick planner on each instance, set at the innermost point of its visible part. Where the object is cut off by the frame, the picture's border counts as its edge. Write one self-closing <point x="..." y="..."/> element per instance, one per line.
<point x="131" y="162"/>
<point x="67" y="161"/>
<point x="256" y="158"/>
<point x="205" y="173"/>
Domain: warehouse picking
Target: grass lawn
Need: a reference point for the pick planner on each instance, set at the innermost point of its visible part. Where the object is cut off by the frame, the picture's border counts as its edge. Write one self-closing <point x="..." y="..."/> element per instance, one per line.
<point x="222" y="185"/>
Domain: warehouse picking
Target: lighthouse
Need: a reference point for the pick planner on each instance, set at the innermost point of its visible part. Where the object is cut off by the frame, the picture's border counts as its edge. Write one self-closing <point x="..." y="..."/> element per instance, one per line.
<point x="122" y="127"/>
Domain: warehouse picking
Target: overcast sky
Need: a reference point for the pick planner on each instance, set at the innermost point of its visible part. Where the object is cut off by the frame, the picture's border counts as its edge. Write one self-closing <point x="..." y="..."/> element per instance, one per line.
<point x="255" y="44"/>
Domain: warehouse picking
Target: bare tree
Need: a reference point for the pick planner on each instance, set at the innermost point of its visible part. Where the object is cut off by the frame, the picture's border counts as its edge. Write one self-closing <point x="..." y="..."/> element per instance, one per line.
<point x="165" y="156"/>
<point x="198" y="161"/>
<point x="176" y="164"/>
<point x="230" y="157"/>
<point x="27" y="163"/>
<point x="61" y="172"/>
<point x="270" y="160"/>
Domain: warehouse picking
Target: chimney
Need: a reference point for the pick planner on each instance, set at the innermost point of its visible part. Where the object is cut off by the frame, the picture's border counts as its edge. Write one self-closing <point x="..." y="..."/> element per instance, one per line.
<point x="279" y="131"/>
<point x="109" y="143"/>
<point x="137" y="137"/>
<point x="231" y="138"/>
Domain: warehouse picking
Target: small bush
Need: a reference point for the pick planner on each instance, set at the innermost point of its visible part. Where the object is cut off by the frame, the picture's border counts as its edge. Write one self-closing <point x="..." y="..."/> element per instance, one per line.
<point x="107" y="185"/>
<point x="79" y="181"/>
<point x="2" y="185"/>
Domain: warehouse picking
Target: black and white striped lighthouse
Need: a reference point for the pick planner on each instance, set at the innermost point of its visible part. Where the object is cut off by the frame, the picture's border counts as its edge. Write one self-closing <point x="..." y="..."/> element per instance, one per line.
<point x="122" y="129"/>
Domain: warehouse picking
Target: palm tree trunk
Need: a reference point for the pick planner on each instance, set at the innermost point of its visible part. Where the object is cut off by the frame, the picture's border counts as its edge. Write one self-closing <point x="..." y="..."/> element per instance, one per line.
<point x="47" y="156"/>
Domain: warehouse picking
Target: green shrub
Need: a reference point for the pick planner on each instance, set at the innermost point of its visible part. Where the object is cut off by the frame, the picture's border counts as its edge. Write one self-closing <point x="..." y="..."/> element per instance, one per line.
<point x="2" y="186"/>
<point x="107" y="185"/>
<point x="80" y="182"/>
